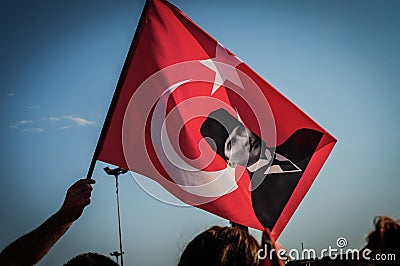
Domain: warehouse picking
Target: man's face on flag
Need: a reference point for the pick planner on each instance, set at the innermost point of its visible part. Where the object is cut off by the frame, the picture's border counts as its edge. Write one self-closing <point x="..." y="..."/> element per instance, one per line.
<point x="242" y="147"/>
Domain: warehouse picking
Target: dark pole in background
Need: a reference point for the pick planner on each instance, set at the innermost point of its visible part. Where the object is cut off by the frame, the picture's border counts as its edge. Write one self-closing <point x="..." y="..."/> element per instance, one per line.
<point x="116" y="172"/>
<point x="115" y="254"/>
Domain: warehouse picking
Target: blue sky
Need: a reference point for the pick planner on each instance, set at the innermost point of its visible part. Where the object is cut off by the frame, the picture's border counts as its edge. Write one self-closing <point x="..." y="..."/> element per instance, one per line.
<point x="60" y="61"/>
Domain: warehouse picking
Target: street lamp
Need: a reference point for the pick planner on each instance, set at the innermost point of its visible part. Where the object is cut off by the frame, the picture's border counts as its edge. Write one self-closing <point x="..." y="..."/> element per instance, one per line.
<point x="116" y="254"/>
<point x="116" y="172"/>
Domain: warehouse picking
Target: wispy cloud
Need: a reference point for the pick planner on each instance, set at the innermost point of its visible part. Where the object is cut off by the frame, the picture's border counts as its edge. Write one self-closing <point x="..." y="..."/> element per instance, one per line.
<point x="62" y="123"/>
<point x="23" y="122"/>
<point x="79" y="120"/>
<point x="33" y="130"/>
<point x="54" y="118"/>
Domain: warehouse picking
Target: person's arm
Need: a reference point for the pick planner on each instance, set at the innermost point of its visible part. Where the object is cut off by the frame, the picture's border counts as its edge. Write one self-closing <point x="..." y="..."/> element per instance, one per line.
<point x="30" y="248"/>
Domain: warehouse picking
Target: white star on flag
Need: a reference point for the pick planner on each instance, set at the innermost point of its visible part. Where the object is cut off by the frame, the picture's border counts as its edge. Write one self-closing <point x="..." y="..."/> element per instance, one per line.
<point x="224" y="66"/>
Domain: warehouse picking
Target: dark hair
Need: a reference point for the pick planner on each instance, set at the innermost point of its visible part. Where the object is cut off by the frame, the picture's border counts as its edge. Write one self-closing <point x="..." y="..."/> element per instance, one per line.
<point x="386" y="236"/>
<point x="216" y="129"/>
<point x="91" y="259"/>
<point x="221" y="246"/>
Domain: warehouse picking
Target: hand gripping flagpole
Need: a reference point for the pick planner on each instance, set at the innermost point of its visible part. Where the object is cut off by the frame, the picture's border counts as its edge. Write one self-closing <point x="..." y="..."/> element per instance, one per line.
<point x="116" y="172"/>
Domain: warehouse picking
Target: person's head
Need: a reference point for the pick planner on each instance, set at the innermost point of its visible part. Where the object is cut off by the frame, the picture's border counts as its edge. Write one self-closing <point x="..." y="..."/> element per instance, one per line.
<point x="221" y="246"/>
<point x="91" y="259"/>
<point x="229" y="138"/>
<point x="385" y="236"/>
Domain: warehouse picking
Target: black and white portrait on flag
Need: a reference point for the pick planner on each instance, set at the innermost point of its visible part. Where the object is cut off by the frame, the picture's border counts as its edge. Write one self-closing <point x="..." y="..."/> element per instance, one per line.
<point x="274" y="171"/>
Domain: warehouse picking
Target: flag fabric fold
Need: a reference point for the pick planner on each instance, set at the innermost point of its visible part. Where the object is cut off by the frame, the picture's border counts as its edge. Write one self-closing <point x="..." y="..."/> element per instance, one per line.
<point x="193" y="117"/>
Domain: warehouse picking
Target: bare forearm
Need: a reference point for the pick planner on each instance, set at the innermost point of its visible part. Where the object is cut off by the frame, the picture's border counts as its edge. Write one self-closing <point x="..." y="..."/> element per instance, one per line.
<point x="30" y="248"/>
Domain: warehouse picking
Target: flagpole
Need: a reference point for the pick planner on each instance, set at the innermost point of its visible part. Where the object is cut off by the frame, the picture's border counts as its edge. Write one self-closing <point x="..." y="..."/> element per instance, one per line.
<point x="117" y="91"/>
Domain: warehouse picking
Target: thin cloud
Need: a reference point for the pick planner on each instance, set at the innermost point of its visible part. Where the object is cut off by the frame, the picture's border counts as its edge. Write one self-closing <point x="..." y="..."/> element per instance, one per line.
<point x="33" y="130"/>
<point x="60" y="122"/>
<point x="80" y="121"/>
<point x="23" y="122"/>
<point x="54" y="119"/>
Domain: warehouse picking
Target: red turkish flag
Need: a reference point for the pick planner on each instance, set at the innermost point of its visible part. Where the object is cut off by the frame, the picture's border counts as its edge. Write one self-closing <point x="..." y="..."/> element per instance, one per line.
<point x="192" y="116"/>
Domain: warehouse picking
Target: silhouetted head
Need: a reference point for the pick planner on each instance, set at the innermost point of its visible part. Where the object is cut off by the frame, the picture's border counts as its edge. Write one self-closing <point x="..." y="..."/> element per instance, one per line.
<point x="386" y="236"/>
<point x="91" y="259"/>
<point x="221" y="246"/>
